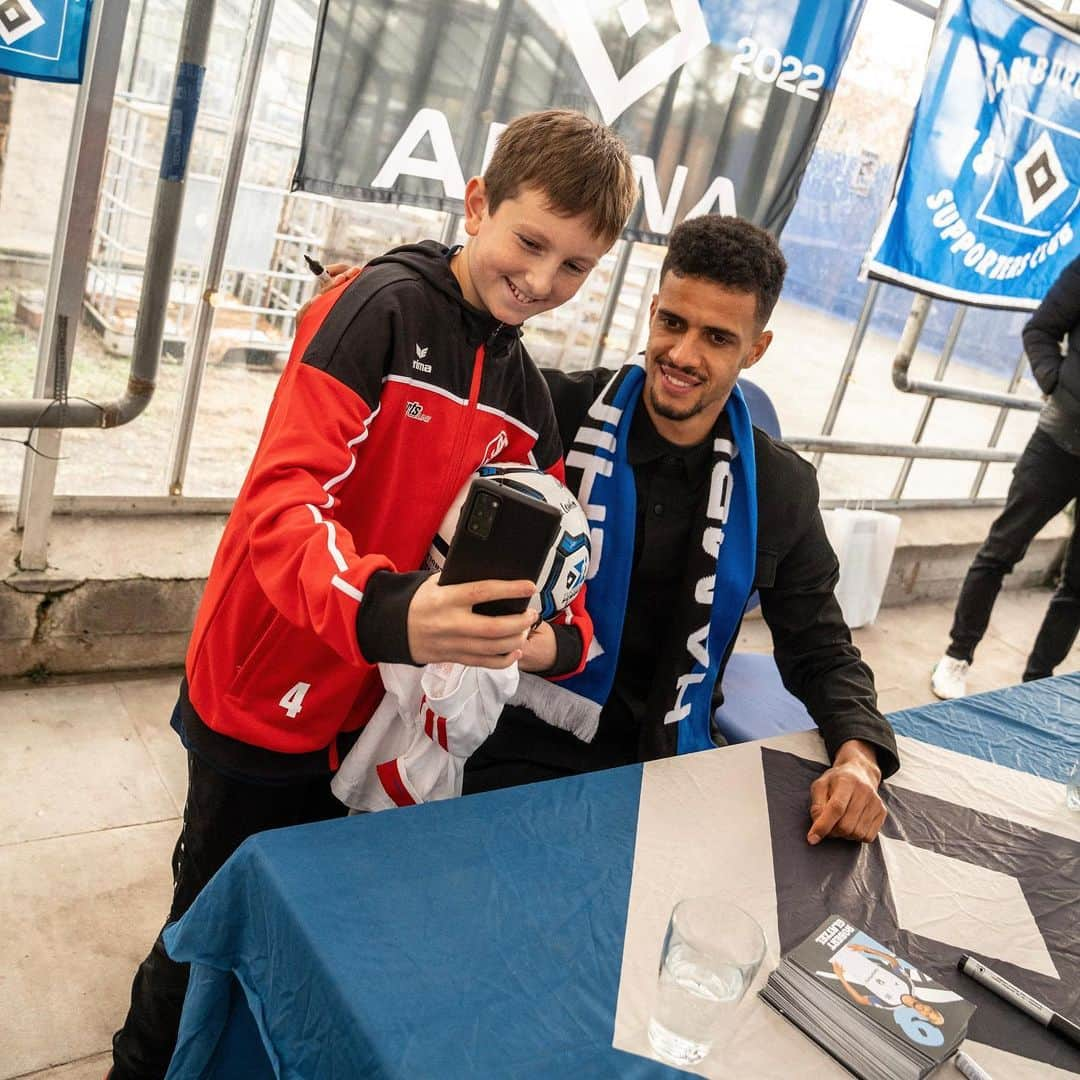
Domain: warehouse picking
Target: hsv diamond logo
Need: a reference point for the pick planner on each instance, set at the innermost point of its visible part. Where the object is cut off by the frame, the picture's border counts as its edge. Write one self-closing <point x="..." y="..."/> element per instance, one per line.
<point x="17" y="19"/>
<point x="1034" y="166"/>
<point x="614" y="95"/>
<point x="943" y="879"/>
<point x="1040" y="177"/>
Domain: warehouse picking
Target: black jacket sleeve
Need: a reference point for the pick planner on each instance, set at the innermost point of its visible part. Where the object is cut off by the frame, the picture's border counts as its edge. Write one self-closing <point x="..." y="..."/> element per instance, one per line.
<point x="571" y="394"/>
<point x="811" y="642"/>
<point x="1055" y="317"/>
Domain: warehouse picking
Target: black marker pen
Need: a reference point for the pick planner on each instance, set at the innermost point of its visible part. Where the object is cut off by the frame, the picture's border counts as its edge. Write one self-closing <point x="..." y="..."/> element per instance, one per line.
<point x="317" y="268"/>
<point x="1021" y="999"/>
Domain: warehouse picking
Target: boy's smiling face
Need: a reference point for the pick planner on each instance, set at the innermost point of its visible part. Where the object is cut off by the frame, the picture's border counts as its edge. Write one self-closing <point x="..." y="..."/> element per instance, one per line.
<point x="524" y="258"/>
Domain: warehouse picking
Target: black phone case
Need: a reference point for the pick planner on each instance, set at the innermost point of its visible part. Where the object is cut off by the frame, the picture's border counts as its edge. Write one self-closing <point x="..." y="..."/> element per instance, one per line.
<point x="516" y="546"/>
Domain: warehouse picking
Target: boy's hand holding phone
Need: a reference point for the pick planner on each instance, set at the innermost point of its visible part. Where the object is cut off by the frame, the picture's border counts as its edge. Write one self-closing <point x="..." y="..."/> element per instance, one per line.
<point x="475" y="612"/>
<point x="443" y="628"/>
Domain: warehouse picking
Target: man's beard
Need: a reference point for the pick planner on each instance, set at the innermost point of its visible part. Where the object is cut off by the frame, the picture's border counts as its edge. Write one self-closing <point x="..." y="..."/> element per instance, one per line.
<point x="670" y="412"/>
<point x="667" y="411"/>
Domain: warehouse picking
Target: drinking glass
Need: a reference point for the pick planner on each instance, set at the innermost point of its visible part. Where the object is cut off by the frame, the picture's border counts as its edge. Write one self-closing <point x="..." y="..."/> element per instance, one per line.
<point x="712" y="951"/>
<point x="1072" y="787"/>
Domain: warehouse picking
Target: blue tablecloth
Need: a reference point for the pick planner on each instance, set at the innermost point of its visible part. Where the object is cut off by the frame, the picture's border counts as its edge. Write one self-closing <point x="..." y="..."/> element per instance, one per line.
<point x="508" y="913"/>
<point x="1034" y="727"/>
<point x="290" y="918"/>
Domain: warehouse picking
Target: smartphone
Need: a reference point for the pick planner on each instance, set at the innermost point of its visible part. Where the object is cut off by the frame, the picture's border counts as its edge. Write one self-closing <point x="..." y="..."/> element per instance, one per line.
<point x="503" y="535"/>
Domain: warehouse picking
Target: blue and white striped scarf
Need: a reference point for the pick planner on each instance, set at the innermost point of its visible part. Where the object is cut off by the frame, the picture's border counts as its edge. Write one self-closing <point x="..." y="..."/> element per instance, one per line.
<point x="720" y="572"/>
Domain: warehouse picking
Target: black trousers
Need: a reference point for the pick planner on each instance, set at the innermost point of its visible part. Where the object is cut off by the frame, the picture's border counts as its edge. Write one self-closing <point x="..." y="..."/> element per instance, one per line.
<point x="220" y="813"/>
<point x="1045" y="480"/>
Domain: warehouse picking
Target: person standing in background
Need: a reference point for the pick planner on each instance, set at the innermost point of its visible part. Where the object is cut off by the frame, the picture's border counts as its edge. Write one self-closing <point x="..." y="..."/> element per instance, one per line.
<point x="1045" y="481"/>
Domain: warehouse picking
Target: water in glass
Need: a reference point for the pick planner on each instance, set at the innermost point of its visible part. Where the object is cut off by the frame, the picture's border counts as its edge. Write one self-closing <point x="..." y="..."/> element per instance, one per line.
<point x="692" y="998"/>
<point x="1072" y="788"/>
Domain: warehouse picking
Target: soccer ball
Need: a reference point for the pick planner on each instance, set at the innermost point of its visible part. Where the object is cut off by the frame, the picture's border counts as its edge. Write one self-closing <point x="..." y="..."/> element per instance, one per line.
<point x="567" y="563"/>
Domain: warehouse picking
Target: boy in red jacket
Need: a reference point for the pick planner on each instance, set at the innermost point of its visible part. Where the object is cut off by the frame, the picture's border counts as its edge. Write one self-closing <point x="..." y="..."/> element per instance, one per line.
<point x="400" y="384"/>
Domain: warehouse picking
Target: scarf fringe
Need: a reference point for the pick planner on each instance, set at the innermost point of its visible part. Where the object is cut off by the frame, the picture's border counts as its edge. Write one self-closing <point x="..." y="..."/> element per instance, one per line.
<point x="556" y="705"/>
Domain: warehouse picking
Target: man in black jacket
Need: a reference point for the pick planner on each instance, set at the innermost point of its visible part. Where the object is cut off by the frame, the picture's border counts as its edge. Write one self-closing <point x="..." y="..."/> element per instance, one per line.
<point x="719" y="283"/>
<point x="1046" y="479"/>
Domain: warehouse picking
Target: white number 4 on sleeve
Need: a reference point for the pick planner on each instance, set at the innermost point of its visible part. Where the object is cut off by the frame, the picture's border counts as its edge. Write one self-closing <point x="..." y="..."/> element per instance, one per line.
<point x="293" y="701"/>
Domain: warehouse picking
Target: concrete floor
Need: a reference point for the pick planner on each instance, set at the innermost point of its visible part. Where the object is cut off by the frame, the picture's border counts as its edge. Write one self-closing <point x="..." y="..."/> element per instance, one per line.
<point x="89" y="810"/>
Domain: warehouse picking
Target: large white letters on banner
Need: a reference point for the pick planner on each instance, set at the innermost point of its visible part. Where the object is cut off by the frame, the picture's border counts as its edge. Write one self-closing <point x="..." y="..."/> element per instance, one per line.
<point x="445" y="167"/>
<point x="398" y="113"/>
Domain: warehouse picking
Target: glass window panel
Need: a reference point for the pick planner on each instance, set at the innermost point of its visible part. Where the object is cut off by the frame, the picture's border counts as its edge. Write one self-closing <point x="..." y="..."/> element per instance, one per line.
<point x="842" y="197"/>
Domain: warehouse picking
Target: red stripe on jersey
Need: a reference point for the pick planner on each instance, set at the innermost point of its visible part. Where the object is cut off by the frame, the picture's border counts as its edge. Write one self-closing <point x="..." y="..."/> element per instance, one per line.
<point x="393" y="785"/>
<point x="429" y="725"/>
<point x="442" y="732"/>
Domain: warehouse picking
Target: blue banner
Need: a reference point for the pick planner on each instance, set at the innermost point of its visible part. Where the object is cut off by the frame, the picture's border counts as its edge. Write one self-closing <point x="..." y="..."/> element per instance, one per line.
<point x="720" y="101"/>
<point x="985" y="211"/>
<point x="44" y="39"/>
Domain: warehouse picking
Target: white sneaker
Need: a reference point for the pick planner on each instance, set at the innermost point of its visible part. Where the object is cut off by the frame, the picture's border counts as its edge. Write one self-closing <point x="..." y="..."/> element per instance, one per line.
<point x="949" y="679"/>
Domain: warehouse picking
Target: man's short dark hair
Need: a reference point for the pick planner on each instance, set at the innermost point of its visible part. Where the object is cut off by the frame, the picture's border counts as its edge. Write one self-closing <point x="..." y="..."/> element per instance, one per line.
<point x="729" y="251"/>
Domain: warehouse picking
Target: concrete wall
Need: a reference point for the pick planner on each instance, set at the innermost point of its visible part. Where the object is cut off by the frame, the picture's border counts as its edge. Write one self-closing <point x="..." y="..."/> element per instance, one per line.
<point x="121" y="591"/>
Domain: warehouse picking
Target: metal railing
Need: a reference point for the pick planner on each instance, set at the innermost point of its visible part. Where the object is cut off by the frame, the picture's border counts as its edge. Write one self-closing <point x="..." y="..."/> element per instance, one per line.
<point x="933" y="389"/>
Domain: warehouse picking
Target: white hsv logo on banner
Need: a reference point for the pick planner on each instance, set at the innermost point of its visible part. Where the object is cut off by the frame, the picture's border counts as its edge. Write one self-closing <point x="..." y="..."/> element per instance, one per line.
<point x="17" y="19"/>
<point x="614" y="95"/>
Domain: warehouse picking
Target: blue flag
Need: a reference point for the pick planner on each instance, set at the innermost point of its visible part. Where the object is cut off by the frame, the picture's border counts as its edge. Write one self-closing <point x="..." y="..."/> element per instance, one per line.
<point x="44" y="39"/>
<point x="985" y="211"/>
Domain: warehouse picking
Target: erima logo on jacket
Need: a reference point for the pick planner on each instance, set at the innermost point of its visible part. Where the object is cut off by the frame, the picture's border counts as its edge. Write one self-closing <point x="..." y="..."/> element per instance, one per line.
<point x="418" y="364"/>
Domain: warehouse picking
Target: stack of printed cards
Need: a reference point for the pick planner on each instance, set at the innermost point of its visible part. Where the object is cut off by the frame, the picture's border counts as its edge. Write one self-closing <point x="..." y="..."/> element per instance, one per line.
<point x="879" y="1016"/>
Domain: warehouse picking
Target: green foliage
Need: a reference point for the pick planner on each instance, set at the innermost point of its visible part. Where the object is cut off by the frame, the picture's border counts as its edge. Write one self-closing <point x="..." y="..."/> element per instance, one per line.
<point x="18" y="350"/>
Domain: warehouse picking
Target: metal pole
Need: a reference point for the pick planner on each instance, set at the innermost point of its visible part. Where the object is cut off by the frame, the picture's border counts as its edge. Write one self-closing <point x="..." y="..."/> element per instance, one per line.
<point x="611" y="301"/>
<point x="844" y="377"/>
<point x="921" y="7"/>
<point x="622" y="262"/>
<point x="450" y="228"/>
<point x="195" y="352"/>
<point x="133" y="70"/>
<point x="928" y="405"/>
<point x="160" y="251"/>
<point x="905" y="352"/>
<point x="652" y="279"/>
<point x="901" y="450"/>
<point x="999" y="424"/>
<point x="481" y="117"/>
<point x="67" y="273"/>
<point x="912" y="504"/>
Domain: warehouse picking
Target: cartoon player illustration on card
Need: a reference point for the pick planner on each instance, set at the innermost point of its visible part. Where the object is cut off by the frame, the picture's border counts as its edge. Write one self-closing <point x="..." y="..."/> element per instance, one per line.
<point x="875" y="977"/>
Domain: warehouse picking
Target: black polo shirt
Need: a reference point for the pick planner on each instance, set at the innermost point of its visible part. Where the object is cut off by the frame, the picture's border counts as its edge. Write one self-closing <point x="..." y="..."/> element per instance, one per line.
<point x="672" y="482"/>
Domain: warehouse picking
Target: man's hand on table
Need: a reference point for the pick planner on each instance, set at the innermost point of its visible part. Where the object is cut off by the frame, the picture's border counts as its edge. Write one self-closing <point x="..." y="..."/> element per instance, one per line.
<point x="844" y="800"/>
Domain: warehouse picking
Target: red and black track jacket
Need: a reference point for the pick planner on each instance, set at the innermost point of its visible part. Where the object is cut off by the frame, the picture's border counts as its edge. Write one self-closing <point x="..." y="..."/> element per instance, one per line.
<point x="395" y="391"/>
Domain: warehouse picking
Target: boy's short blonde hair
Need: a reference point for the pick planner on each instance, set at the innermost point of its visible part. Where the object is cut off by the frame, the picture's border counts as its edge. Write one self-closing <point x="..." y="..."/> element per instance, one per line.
<point x="581" y="166"/>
